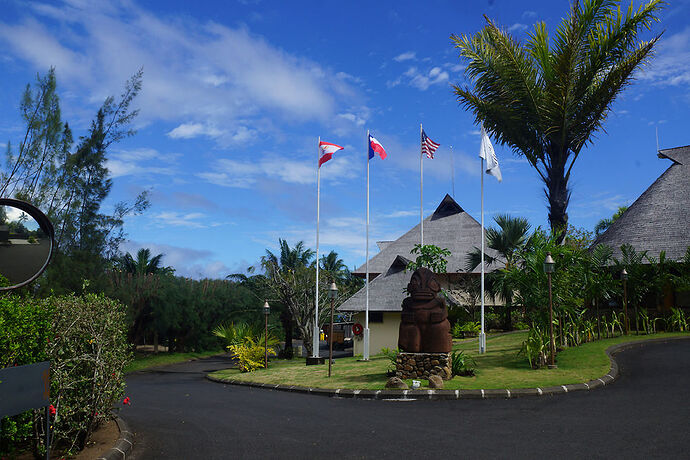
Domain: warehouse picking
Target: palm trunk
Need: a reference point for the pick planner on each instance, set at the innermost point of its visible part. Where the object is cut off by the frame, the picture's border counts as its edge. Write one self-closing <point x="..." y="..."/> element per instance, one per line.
<point x="558" y="195"/>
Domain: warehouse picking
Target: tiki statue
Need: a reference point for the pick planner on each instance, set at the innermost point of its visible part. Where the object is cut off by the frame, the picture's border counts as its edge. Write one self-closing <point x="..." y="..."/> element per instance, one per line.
<point x="424" y="326"/>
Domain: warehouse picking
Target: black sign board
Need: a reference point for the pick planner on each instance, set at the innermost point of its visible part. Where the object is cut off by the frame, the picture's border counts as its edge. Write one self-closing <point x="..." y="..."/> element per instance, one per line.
<point x="24" y="387"/>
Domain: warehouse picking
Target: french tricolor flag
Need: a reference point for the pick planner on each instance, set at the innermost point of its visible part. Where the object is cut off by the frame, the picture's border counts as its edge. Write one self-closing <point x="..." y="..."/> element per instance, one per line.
<point x="326" y="151"/>
<point x="376" y="147"/>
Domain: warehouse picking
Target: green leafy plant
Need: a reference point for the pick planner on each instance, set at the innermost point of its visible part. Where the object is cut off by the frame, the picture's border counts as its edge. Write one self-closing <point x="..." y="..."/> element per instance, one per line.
<point x="430" y="256"/>
<point x="250" y="355"/>
<point x="392" y="356"/>
<point x="535" y="347"/>
<point x="677" y="321"/>
<point x="462" y="364"/>
<point x="466" y="329"/>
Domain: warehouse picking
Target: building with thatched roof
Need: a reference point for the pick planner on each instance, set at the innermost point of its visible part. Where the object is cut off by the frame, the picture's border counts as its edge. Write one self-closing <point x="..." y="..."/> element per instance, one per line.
<point x="450" y="227"/>
<point x="659" y="220"/>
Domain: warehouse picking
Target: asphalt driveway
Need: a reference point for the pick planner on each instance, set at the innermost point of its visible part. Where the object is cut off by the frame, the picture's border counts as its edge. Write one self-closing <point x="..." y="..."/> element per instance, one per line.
<point x="177" y="413"/>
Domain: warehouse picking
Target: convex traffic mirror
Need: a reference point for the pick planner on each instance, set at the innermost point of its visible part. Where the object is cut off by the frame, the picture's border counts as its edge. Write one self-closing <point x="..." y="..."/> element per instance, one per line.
<point x="26" y="243"/>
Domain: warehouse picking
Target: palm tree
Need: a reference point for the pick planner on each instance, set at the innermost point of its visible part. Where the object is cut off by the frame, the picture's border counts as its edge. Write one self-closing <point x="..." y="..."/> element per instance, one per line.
<point x="507" y="240"/>
<point x="604" y="224"/>
<point x="281" y="274"/>
<point x="144" y="264"/>
<point x="546" y="99"/>
<point x="334" y="267"/>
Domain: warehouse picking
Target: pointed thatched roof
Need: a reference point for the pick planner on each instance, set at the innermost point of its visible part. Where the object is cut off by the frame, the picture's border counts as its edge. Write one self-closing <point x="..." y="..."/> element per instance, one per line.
<point x="386" y="292"/>
<point x="448" y="227"/>
<point x="659" y="220"/>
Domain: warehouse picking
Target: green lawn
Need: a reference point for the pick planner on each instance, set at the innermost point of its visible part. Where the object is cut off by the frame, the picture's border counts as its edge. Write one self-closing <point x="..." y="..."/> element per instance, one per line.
<point x="499" y="367"/>
<point x="145" y="361"/>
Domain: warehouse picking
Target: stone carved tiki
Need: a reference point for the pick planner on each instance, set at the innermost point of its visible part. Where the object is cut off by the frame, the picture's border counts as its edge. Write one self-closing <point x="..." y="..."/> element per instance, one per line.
<point x="424" y="326"/>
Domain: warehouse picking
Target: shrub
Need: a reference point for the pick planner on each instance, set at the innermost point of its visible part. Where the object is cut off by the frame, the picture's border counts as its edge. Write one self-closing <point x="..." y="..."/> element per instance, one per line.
<point x="250" y="355"/>
<point x="535" y="347"/>
<point x="462" y="364"/>
<point x="24" y="330"/>
<point x="88" y="354"/>
<point x="465" y="329"/>
<point x="392" y="356"/>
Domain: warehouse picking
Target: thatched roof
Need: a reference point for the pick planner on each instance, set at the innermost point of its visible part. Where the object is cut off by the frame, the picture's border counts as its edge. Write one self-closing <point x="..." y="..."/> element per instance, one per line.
<point x="448" y="227"/>
<point x="659" y="220"/>
<point x="386" y="291"/>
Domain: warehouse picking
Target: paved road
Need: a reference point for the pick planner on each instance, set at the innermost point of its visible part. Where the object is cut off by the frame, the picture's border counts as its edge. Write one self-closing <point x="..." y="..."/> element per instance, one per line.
<point x="645" y="414"/>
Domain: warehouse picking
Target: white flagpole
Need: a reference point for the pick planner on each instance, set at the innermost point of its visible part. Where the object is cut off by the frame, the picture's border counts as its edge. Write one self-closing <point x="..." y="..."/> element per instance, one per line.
<point x="452" y="171"/>
<point x="421" y="187"/>
<point x="315" y="339"/>
<point x="365" y="355"/>
<point x="482" y="335"/>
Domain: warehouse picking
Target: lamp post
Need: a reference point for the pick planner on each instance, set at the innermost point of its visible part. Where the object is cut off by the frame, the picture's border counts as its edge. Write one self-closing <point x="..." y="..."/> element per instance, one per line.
<point x="332" y="294"/>
<point x="624" y="277"/>
<point x="549" y="268"/>
<point x="267" y="311"/>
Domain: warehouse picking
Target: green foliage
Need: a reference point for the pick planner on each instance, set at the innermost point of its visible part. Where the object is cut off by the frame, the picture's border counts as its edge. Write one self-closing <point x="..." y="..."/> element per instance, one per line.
<point x="250" y="355"/>
<point x="677" y="321"/>
<point x="392" y="356"/>
<point x="466" y="329"/>
<point x="462" y="364"/>
<point x="430" y="256"/>
<point x="547" y="98"/>
<point x="604" y="224"/>
<point x="536" y="347"/>
<point x="84" y="339"/>
<point x="88" y="354"/>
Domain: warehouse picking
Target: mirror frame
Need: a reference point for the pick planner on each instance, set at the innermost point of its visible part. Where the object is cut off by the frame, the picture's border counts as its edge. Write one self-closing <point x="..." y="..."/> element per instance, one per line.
<point x="43" y="222"/>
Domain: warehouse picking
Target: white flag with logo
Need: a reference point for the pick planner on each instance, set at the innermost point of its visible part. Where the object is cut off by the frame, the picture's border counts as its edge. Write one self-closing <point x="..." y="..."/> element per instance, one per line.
<point x="486" y="151"/>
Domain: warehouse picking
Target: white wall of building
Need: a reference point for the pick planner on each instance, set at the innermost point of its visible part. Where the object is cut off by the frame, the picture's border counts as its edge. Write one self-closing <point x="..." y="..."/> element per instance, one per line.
<point x="381" y="335"/>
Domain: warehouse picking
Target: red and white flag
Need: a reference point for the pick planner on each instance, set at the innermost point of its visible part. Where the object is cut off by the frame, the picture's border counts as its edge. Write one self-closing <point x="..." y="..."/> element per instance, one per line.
<point x="375" y="147"/>
<point x="326" y="151"/>
<point x="428" y="146"/>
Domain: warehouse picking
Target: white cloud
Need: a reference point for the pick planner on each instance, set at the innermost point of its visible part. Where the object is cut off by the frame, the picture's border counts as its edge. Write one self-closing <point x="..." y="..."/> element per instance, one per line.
<point x="422" y="80"/>
<point x="141" y="161"/>
<point x="241" y="174"/>
<point x="409" y="55"/>
<point x="517" y="27"/>
<point x="196" y="75"/>
<point x="187" y="262"/>
<point x="397" y="214"/>
<point x="529" y="14"/>
<point x="671" y="63"/>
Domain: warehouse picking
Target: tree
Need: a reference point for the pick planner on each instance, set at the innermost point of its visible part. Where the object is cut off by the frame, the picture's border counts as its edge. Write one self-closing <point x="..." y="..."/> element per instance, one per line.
<point x="334" y="267"/>
<point x="547" y="99"/>
<point x="430" y="256"/>
<point x="144" y="264"/>
<point x="289" y="280"/>
<point x="604" y="224"/>
<point x="507" y="240"/>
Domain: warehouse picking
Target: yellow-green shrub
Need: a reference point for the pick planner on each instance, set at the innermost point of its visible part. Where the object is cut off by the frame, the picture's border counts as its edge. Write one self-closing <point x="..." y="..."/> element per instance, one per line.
<point x="250" y="355"/>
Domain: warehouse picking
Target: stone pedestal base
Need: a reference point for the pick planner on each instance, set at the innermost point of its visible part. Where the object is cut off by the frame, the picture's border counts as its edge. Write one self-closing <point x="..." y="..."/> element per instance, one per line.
<point x="423" y="365"/>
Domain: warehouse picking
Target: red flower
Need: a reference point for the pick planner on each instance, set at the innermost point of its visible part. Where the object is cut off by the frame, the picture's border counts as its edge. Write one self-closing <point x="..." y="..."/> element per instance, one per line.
<point x="52" y="410"/>
<point x="126" y="400"/>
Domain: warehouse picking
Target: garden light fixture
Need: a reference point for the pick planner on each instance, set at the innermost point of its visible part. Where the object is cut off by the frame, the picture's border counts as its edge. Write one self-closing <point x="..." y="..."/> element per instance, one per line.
<point x="624" y="277"/>
<point x="267" y="311"/>
<point x="549" y="268"/>
<point x="332" y="294"/>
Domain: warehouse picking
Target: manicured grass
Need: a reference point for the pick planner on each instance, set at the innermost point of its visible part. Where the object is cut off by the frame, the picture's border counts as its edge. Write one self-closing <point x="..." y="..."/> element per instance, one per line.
<point x="146" y="361"/>
<point x="499" y="367"/>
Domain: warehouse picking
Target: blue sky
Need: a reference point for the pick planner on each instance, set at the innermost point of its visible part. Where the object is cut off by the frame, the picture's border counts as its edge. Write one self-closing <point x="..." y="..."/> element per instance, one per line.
<point x="235" y="95"/>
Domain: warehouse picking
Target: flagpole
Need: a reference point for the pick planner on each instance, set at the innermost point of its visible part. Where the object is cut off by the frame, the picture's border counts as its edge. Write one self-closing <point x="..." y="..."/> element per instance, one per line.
<point x="452" y="171"/>
<point x="482" y="335"/>
<point x="315" y="339"/>
<point x="421" y="186"/>
<point x="365" y="355"/>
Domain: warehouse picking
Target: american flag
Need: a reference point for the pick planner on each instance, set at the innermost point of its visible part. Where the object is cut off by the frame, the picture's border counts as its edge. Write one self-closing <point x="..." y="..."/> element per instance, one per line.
<point x="428" y="146"/>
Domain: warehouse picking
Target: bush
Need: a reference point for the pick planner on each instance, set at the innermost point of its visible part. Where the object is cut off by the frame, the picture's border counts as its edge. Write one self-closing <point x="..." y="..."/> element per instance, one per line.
<point x="462" y="364"/>
<point x="535" y="347"/>
<point x="84" y="338"/>
<point x="466" y="329"/>
<point x="392" y="356"/>
<point x="88" y="355"/>
<point x="250" y="355"/>
<point x="24" y="331"/>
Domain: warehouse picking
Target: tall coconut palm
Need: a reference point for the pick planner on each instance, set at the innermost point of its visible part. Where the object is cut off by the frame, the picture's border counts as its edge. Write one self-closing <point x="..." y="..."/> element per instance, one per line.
<point x="507" y="240"/>
<point x="334" y="266"/>
<point x="546" y="99"/>
<point x="144" y="264"/>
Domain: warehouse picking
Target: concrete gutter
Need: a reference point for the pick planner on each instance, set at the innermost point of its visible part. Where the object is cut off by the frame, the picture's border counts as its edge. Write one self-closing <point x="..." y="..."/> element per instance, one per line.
<point x="605" y="379"/>
<point x="123" y="446"/>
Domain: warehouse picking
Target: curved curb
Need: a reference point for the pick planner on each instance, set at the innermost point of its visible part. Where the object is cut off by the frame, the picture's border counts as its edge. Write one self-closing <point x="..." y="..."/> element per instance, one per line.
<point x="123" y="446"/>
<point x="506" y="393"/>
